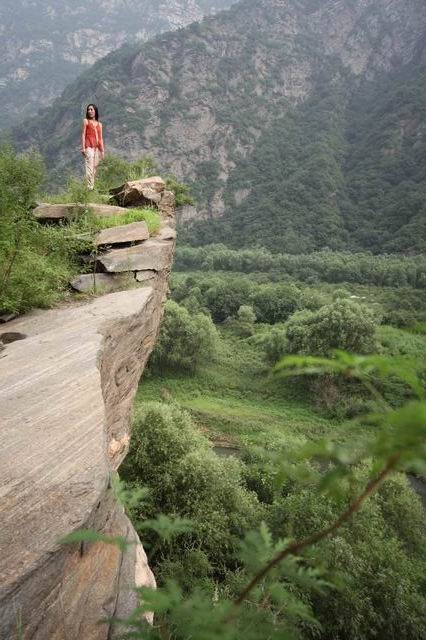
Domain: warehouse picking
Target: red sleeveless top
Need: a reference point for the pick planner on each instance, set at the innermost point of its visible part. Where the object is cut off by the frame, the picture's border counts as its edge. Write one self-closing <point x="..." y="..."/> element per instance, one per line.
<point x="93" y="137"/>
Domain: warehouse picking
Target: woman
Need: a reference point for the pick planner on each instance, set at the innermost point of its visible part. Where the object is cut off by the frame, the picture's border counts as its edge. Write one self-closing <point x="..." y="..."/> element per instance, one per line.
<point x="92" y="144"/>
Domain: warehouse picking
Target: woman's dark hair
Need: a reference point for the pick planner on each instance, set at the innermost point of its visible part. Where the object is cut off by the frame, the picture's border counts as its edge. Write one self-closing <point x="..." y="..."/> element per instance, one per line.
<point x="96" y="111"/>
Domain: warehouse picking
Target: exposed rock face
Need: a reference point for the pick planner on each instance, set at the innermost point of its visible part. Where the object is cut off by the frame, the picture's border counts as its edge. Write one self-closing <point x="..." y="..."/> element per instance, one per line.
<point x="66" y="391"/>
<point x="102" y="282"/>
<point x="199" y="99"/>
<point x="38" y="63"/>
<point x="151" y="254"/>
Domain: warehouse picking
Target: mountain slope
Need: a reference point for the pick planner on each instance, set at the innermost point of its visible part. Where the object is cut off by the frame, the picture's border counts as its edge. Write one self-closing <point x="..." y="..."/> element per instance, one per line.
<point x="46" y="45"/>
<point x="273" y="109"/>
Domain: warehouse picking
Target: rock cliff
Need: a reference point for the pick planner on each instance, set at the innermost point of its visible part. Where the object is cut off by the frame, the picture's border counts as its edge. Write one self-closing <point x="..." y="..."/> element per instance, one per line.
<point x="67" y="381"/>
<point x="201" y="100"/>
<point x="45" y="45"/>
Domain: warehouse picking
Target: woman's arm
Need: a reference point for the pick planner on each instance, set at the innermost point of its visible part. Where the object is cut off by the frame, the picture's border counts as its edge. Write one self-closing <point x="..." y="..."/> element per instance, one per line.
<point x="101" y="141"/>
<point x="83" y="136"/>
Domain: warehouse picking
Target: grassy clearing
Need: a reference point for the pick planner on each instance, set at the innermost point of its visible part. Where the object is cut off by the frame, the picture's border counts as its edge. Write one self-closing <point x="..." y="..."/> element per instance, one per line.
<point x="237" y="398"/>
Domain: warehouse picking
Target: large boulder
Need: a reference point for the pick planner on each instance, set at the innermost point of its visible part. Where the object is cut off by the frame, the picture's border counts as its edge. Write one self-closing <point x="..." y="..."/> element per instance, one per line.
<point x="139" y="193"/>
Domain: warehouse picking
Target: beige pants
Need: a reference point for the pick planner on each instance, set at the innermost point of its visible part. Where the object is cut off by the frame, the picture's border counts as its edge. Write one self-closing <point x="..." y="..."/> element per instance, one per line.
<point x="91" y="160"/>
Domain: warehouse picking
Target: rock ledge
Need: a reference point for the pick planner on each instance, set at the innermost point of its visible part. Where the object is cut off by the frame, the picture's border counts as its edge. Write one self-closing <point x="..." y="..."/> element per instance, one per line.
<point x="66" y="391"/>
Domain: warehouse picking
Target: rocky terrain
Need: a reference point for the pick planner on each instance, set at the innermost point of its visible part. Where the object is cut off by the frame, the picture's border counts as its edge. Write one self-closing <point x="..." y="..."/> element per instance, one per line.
<point x="45" y="45"/>
<point x="68" y="378"/>
<point x="210" y="104"/>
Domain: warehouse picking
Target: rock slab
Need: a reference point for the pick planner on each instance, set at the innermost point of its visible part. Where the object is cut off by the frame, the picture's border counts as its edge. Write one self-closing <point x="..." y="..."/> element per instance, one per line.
<point x="66" y="392"/>
<point x="57" y="212"/>
<point x="102" y="282"/>
<point x="133" y="232"/>
<point x="155" y="255"/>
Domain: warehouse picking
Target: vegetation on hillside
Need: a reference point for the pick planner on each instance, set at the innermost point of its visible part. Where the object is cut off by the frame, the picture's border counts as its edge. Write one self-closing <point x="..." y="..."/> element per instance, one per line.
<point x="322" y="266"/>
<point x="344" y="170"/>
<point x="307" y="147"/>
<point x="38" y="260"/>
<point x="296" y="521"/>
<point x="295" y="472"/>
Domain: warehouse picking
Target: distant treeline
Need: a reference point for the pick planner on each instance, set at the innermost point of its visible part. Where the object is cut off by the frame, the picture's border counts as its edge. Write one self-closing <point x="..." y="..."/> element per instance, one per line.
<point x="323" y="266"/>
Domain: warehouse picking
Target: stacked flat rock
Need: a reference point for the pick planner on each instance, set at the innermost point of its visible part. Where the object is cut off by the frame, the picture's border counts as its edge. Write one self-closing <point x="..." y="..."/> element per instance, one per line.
<point x="154" y="255"/>
<point x="126" y="255"/>
<point x="45" y="211"/>
<point x="127" y="233"/>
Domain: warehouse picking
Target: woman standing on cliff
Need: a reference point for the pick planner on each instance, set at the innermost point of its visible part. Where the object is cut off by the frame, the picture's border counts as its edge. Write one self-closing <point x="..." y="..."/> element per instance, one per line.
<point x="92" y="144"/>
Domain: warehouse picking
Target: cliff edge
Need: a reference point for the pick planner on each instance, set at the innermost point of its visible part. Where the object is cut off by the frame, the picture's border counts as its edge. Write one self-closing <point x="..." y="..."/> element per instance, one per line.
<point x="68" y="377"/>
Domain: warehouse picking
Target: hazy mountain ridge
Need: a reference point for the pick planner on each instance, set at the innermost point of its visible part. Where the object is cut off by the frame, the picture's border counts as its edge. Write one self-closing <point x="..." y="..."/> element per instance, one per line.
<point x="211" y="99"/>
<point x="46" y="45"/>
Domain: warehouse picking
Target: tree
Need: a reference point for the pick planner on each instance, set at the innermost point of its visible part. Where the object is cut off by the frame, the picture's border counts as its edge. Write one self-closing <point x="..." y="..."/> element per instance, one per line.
<point x="343" y="324"/>
<point x="185" y="340"/>
<point x="275" y="303"/>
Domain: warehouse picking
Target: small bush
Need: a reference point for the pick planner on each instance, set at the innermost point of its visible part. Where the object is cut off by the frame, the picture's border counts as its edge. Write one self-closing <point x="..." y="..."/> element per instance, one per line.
<point x="273" y="343"/>
<point x="36" y="262"/>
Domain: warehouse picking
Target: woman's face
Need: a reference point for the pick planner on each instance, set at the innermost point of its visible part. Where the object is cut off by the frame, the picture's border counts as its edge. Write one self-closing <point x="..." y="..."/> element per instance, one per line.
<point x="91" y="111"/>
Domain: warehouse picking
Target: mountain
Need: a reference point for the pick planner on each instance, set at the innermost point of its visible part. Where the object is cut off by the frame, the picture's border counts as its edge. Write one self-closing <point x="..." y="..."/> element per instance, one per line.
<point x="46" y="45"/>
<point x="300" y="123"/>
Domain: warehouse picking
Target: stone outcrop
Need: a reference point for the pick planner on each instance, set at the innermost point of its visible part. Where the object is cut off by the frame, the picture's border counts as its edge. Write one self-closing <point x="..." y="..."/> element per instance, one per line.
<point x="68" y="377"/>
<point x="56" y="212"/>
<point x="152" y="254"/>
<point x="102" y="282"/>
<point x="134" y="232"/>
<point x="139" y="193"/>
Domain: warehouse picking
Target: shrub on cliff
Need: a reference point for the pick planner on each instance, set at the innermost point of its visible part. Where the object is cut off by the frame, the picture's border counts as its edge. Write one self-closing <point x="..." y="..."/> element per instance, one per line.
<point x="185" y="340"/>
<point x="186" y="478"/>
<point x="35" y="261"/>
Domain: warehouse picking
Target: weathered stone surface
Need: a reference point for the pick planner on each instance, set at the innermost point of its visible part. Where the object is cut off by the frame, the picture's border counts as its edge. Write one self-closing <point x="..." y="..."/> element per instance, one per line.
<point x="151" y="254"/>
<point x="136" y="193"/>
<point x="144" y="276"/>
<point x="167" y="206"/>
<point x="6" y="316"/>
<point x="166" y="233"/>
<point x="102" y="282"/>
<point x="66" y="211"/>
<point x="66" y="392"/>
<point x="133" y="232"/>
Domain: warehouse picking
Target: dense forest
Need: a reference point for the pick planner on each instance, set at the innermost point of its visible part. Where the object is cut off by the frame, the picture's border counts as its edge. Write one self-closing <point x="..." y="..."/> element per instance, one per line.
<point x="338" y="172"/>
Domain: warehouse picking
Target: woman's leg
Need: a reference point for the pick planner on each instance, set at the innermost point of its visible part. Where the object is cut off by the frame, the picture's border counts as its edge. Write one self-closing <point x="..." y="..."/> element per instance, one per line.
<point x="89" y="159"/>
<point x="96" y="160"/>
